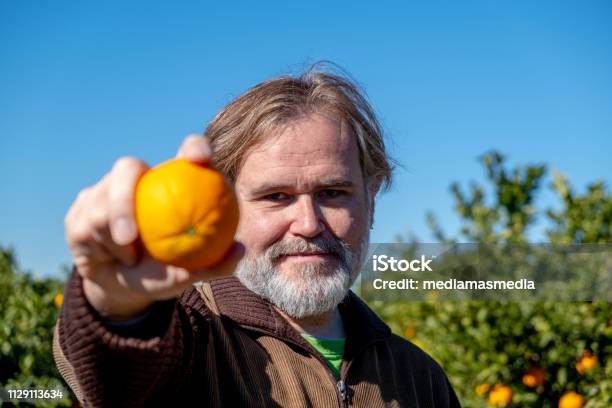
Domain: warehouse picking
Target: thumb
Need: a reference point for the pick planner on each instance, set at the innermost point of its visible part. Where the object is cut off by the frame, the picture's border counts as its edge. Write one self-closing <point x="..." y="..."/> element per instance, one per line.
<point x="225" y="267"/>
<point x="196" y="149"/>
<point x="123" y="179"/>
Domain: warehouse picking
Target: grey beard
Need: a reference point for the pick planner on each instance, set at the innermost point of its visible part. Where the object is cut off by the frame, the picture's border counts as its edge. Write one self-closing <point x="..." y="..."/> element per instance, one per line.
<point x="312" y="289"/>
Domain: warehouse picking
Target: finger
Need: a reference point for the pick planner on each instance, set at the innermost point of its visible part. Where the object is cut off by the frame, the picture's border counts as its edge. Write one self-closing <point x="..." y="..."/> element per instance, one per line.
<point x="74" y="226"/>
<point x="88" y="269"/>
<point x="99" y="235"/>
<point x="93" y="252"/>
<point x="156" y="281"/>
<point x="123" y="179"/>
<point x="180" y="279"/>
<point x="79" y="228"/>
<point x="87" y="230"/>
<point x="153" y="279"/>
<point x="126" y="254"/>
<point x="224" y="268"/>
<point x="89" y="260"/>
<point x="196" y="149"/>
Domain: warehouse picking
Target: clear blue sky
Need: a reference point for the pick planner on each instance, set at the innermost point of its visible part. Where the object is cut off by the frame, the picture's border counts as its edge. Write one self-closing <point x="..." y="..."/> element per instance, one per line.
<point x="83" y="84"/>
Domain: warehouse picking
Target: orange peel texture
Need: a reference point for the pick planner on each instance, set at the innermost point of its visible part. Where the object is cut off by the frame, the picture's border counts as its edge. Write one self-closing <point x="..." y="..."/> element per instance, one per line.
<point x="187" y="214"/>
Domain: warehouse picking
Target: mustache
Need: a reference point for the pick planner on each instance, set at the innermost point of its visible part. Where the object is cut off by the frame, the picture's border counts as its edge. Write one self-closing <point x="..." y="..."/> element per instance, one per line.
<point x="301" y="246"/>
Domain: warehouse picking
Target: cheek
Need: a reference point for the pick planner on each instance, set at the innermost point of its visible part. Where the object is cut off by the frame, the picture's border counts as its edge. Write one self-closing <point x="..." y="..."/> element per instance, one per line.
<point x="340" y="221"/>
<point x="257" y="230"/>
<point x="348" y="224"/>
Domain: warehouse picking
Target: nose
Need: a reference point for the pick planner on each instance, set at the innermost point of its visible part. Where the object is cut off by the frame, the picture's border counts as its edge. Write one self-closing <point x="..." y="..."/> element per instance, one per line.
<point x="307" y="221"/>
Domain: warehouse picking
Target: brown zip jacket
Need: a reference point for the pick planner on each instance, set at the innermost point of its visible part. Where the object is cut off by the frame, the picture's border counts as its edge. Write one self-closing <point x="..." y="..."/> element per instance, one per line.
<point x="221" y="345"/>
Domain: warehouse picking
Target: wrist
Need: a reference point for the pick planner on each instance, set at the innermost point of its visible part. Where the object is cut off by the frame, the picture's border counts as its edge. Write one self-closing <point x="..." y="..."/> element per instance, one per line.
<point x="152" y="323"/>
<point x="115" y="307"/>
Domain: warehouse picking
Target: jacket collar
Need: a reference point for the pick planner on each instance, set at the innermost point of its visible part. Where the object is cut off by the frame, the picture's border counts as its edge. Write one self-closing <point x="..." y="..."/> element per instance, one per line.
<point x="236" y="302"/>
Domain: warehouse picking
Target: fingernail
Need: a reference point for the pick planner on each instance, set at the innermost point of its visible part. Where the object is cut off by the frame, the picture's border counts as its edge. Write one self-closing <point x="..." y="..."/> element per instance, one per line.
<point x="182" y="275"/>
<point x="198" y="151"/>
<point x="124" y="230"/>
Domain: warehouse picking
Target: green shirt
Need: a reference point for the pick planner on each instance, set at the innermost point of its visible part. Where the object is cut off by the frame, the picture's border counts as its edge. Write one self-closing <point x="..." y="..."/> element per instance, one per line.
<point x="332" y="351"/>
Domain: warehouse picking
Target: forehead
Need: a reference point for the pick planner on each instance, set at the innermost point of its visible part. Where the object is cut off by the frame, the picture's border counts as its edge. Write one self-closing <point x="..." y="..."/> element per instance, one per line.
<point x="302" y="153"/>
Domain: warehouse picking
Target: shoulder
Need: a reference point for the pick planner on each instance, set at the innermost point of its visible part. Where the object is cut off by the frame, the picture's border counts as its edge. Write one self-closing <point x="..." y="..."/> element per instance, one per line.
<point x="408" y="352"/>
<point x="192" y="302"/>
<point x="413" y="362"/>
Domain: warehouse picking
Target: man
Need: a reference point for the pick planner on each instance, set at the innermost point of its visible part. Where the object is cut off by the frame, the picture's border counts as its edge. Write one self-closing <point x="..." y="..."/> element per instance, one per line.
<point x="306" y="158"/>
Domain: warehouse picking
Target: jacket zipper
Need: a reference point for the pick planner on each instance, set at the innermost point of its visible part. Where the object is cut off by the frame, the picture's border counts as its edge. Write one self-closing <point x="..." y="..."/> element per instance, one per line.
<point x="341" y="388"/>
<point x="343" y="393"/>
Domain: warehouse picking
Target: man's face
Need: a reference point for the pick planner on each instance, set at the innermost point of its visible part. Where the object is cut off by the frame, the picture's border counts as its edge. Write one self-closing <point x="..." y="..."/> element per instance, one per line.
<point x="304" y="215"/>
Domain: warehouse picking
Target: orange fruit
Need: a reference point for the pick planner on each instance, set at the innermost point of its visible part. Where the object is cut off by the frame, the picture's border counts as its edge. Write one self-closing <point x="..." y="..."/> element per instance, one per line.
<point x="571" y="400"/>
<point x="186" y="214"/>
<point x="410" y="332"/>
<point x="534" y="377"/>
<point x="586" y="362"/>
<point x="500" y="395"/>
<point x="482" y="389"/>
<point x="58" y="300"/>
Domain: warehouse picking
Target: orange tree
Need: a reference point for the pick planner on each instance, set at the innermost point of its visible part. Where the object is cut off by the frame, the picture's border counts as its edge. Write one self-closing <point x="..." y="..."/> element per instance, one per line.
<point x="29" y="308"/>
<point x="527" y="354"/>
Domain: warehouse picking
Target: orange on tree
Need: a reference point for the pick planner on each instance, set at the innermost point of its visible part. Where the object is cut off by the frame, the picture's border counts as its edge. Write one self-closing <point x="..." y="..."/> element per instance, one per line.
<point x="410" y="331"/>
<point x="186" y="214"/>
<point x="482" y="389"/>
<point x="500" y="395"/>
<point x="571" y="399"/>
<point x="58" y="300"/>
<point x="534" y="377"/>
<point x="586" y="362"/>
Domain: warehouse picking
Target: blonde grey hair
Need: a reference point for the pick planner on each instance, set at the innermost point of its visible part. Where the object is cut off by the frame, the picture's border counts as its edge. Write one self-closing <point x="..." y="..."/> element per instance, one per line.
<point x="252" y="116"/>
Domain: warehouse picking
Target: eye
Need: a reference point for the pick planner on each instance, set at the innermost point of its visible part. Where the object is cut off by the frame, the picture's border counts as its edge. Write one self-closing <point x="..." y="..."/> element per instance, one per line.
<point x="276" y="197"/>
<point x="331" y="193"/>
